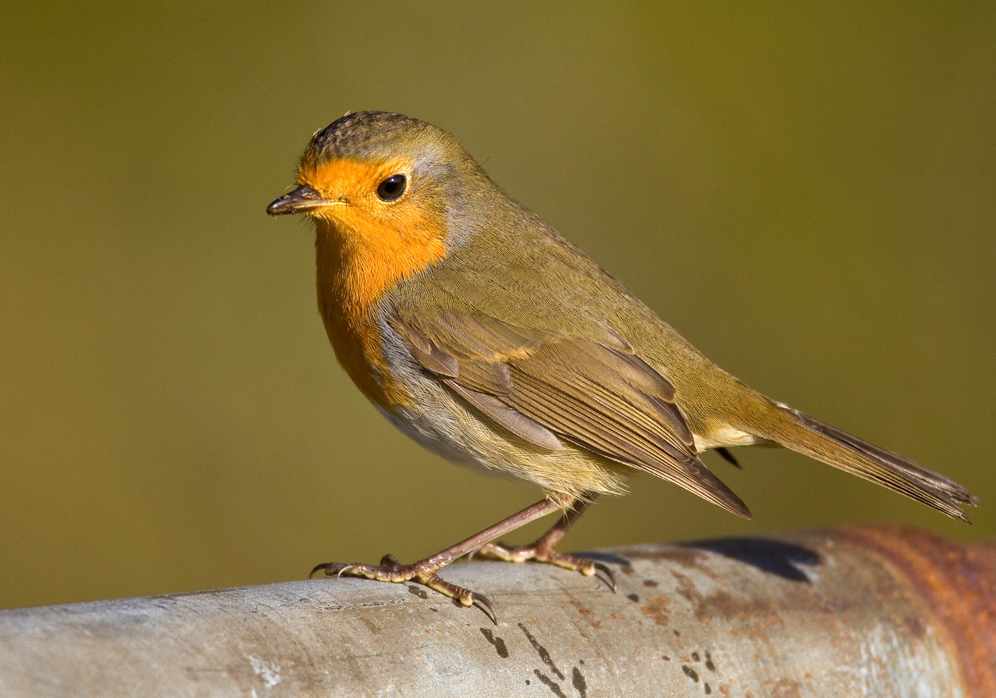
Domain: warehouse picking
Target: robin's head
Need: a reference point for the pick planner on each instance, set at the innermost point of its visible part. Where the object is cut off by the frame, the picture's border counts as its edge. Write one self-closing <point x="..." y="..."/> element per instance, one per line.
<point x="374" y="176"/>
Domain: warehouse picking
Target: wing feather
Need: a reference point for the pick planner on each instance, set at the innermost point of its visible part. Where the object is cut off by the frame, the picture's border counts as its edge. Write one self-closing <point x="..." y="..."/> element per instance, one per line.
<point x="547" y="389"/>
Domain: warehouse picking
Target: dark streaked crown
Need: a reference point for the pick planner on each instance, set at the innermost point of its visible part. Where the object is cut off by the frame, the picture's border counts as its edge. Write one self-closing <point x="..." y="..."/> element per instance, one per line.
<point x="366" y="134"/>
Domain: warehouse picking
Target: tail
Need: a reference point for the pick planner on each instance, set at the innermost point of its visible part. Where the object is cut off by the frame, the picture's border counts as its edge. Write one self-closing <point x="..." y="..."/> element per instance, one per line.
<point x="802" y="433"/>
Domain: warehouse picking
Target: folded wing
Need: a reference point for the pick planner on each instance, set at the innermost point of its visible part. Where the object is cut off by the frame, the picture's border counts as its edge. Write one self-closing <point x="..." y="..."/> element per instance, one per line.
<point x="594" y="393"/>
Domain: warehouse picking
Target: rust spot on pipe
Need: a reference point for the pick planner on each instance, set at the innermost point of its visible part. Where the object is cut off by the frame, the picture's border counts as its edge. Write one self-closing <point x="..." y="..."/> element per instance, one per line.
<point x="684" y="556"/>
<point x="784" y="688"/>
<point x="756" y="614"/>
<point x="957" y="584"/>
<point x="657" y="610"/>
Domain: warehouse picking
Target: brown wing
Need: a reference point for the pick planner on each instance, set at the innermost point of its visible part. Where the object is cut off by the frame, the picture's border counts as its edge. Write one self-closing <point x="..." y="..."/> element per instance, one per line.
<point x="597" y="394"/>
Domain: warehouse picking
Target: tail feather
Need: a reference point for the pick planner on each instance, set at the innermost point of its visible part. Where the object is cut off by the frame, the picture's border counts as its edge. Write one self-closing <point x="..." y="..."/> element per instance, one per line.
<point x="828" y="444"/>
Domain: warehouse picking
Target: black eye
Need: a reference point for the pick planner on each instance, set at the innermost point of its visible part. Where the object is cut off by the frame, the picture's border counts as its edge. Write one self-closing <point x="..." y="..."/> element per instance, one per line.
<point x="392" y="187"/>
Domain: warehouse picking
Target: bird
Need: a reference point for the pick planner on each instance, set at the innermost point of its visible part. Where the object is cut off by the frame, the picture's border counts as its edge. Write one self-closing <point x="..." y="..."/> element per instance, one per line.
<point x="487" y="337"/>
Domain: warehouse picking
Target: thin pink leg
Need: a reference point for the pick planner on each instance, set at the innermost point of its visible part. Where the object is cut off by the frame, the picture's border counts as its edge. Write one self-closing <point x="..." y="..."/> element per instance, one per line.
<point x="544" y="549"/>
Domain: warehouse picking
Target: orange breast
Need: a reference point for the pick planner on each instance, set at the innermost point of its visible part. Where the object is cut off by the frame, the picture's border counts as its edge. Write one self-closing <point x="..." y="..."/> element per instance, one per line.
<point x="363" y="249"/>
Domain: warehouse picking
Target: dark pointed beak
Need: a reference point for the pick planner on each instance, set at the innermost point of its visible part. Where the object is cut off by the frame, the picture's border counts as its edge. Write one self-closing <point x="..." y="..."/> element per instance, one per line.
<point x="301" y="199"/>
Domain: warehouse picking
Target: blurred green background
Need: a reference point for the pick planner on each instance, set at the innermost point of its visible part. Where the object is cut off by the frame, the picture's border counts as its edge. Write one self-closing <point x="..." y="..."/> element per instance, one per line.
<point x="807" y="193"/>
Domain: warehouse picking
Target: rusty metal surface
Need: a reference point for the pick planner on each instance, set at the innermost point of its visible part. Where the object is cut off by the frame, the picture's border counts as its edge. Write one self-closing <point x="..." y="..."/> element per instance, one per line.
<point x="867" y="611"/>
<point x="956" y="583"/>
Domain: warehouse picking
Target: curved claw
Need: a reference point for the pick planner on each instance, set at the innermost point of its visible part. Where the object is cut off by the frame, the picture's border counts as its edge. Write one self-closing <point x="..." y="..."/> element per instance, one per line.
<point x="609" y="578"/>
<point x="483" y="603"/>
<point x="323" y="566"/>
<point x="331" y="569"/>
<point x="389" y="559"/>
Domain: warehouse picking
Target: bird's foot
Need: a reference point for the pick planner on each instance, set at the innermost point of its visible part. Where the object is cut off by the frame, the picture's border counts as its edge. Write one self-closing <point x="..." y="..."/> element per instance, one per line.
<point x="422" y="572"/>
<point x="537" y="552"/>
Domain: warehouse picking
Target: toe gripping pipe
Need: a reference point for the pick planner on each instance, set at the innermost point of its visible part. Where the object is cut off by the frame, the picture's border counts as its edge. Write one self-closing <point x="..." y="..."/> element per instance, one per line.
<point x="872" y="610"/>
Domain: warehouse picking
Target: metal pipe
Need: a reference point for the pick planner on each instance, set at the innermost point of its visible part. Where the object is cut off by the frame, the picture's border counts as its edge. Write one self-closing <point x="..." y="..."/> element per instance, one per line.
<point x="873" y="610"/>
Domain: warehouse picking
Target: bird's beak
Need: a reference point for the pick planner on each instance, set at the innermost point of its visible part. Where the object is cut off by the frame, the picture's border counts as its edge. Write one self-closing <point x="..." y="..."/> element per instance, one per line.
<point x="301" y="199"/>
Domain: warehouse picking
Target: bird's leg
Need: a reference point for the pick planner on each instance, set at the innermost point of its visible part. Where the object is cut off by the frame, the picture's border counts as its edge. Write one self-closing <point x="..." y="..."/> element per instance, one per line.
<point x="424" y="571"/>
<point x="543" y="549"/>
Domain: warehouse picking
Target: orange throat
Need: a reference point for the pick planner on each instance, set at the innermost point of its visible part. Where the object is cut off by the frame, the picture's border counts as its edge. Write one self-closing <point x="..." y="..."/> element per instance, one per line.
<point x="358" y="260"/>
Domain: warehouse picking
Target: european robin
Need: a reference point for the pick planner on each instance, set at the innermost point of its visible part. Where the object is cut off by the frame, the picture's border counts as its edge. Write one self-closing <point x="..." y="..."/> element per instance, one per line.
<point x="483" y="334"/>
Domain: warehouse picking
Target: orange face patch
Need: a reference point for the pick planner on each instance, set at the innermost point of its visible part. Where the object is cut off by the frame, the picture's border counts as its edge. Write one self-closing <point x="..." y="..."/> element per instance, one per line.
<point x="365" y="246"/>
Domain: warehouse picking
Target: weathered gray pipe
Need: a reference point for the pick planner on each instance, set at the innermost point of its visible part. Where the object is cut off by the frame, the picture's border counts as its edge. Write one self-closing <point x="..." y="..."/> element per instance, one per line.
<point x="869" y="611"/>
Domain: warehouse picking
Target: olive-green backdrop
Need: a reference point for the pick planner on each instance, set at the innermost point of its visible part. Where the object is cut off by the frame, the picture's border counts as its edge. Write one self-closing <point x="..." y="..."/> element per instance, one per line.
<point x="808" y="194"/>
